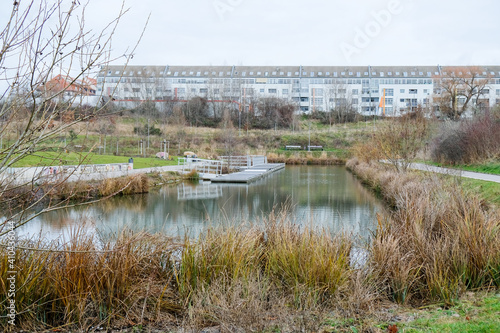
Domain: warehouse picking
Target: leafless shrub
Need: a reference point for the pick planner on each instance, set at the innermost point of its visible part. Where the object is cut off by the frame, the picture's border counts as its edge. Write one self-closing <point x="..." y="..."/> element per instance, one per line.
<point x="469" y="141"/>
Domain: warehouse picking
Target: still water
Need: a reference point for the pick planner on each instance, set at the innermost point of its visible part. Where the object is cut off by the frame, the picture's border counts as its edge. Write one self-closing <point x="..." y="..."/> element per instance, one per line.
<point x="327" y="197"/>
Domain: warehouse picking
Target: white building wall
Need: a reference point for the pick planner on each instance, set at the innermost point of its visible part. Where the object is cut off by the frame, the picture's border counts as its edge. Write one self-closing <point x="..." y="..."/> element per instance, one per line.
<point x="309" y="89"/>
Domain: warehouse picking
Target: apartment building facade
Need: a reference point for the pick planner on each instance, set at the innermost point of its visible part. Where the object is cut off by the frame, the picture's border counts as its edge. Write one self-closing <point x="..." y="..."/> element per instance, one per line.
<point x="377" y="90"/>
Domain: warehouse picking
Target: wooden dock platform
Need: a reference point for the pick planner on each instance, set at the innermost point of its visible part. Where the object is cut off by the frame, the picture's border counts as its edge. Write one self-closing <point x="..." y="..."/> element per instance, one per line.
<point x="249" y="175"/>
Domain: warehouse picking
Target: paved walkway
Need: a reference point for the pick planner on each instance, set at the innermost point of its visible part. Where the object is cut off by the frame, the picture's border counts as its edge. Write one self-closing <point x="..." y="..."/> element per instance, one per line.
<point x="455" y="172"/>
<point x="104" y="175"/>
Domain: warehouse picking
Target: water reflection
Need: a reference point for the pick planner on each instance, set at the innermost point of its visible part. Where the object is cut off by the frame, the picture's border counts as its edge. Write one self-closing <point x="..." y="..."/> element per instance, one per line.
<point x="324" y="196"/>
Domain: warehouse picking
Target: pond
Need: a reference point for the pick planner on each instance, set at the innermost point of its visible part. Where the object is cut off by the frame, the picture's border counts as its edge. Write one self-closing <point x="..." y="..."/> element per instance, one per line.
<point x="323" y="196"/>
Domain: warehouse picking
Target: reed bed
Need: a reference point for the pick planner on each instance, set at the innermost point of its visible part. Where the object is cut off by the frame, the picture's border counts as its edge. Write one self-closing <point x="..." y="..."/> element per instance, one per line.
<point x="305" y="158"/>
<point x="124" y="185"/>
<point x="438" y="241"/>
<point x="234" y="276"/>
<point x="84" y="283"/>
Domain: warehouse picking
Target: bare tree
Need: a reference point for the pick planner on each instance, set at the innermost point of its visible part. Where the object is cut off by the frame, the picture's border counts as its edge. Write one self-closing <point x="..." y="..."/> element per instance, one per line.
<point x="41" y="40"/>
<point x="456" y="87"/>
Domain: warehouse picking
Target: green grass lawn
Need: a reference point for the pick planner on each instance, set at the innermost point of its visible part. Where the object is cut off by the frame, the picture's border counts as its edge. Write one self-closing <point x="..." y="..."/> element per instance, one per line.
<point x="478" y="313"/>
<point x="490" y="168"/>
<point x="55" y="158"/>
<point x="489" y="191"/>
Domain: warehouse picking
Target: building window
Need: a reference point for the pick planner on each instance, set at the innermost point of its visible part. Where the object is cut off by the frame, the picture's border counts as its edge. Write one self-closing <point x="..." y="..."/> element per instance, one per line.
<point x="402" y="91"/>
<point x="203" y="90"/>
<point x="485" y="91"/>
<point x="285" y="91"/>
<point x="262" y="90"/>
<point x="355" y="91"/>
<point x="136" y="90"/>
<point x="389" y="92"/>
<point x="498" y="92"/>
<point x="412" y="91"/>
<point x="272" y="91"/>
<point x="317" y="91"/>
<point x="355" y="101"/>
<point x="389" y="101"/>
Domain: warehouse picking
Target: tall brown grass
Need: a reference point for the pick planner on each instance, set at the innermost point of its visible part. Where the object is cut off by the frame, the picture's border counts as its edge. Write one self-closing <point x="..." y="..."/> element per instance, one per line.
<point x="136" y="184"/>
<point x="237" y="277"/>
<point x="437" y="243"/>
<point x="305" y="158"/>
<point x="83" y="283"/>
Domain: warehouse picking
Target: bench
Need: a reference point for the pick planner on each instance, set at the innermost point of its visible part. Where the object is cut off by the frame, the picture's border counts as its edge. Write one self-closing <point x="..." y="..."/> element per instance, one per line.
<point x="293" y="147"/>
<point x="315" y="147"/>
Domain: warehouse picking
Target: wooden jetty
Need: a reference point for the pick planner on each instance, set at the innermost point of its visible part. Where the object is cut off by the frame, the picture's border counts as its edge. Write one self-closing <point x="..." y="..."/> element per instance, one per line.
<point x="250" y="174"/>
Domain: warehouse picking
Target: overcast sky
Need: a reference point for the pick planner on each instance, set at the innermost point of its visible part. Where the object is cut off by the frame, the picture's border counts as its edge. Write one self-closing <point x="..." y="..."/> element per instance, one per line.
<point x="313" y="32"/>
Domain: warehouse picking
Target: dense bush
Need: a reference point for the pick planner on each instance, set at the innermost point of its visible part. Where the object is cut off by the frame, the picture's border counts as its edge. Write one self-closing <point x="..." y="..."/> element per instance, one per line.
<point x="469" y="141"/>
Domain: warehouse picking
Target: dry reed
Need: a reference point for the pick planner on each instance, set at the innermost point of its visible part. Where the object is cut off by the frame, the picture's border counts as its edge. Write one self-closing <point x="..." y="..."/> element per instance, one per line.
<point x="438" y="242"/>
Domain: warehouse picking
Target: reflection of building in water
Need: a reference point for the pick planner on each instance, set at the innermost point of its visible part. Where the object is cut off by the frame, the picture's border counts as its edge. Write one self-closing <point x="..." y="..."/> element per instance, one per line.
<point x="210" y="191"/>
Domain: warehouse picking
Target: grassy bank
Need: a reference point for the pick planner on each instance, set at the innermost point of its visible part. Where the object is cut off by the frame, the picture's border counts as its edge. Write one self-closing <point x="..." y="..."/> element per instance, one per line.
<point x="85" y="139"/>
<point x="307" y="158"/>
<point x="439" y="242"/>
<point x="486" y="167"/>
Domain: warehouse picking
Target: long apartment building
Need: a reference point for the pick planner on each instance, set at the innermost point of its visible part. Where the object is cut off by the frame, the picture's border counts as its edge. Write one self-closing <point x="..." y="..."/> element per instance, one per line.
<point x="311" y="88"/>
